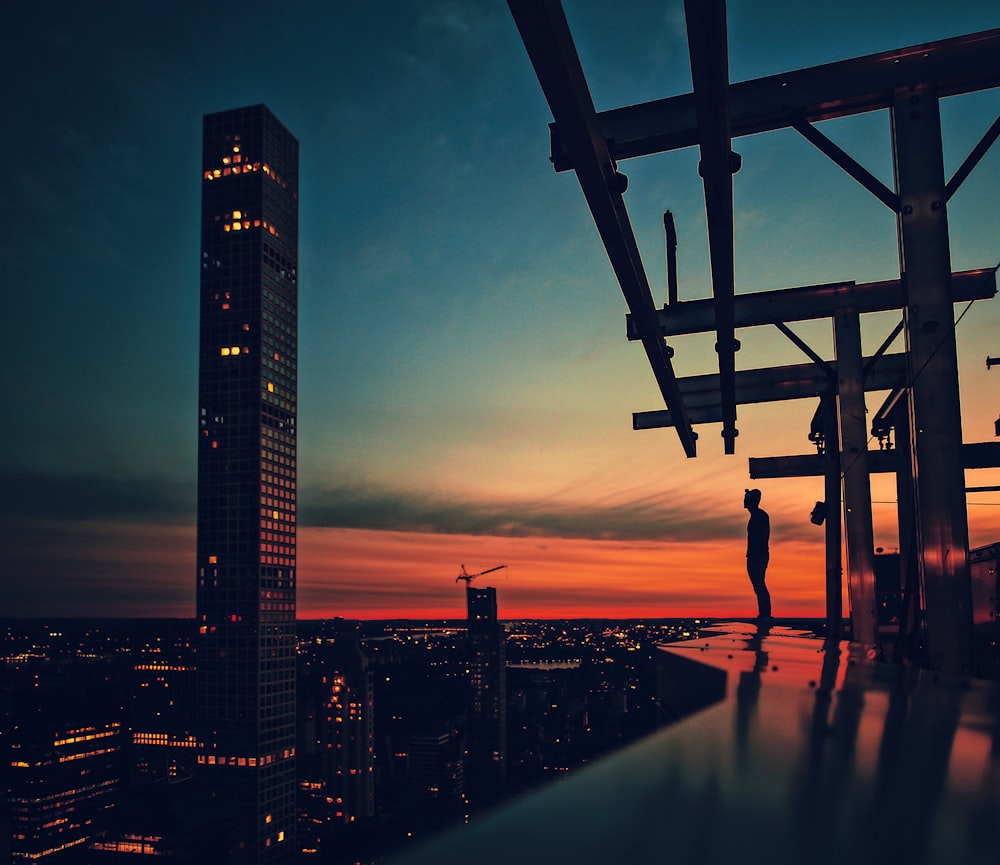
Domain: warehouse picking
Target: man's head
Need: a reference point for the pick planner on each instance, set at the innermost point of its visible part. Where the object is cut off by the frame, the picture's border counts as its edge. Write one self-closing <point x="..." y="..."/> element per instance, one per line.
<point x="751" y="499"/>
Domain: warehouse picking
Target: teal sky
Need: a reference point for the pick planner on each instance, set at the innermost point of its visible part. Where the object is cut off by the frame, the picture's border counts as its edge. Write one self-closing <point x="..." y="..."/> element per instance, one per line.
<point x="463" y="366"/>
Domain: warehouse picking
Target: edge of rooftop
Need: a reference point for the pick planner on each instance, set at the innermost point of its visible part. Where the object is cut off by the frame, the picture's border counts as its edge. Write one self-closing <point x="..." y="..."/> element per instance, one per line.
<point x="786" y="746"/>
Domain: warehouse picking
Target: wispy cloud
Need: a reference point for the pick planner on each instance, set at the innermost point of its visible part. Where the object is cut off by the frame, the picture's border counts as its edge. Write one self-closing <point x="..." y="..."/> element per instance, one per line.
<point x="97" y="568"/>
<point x="648" y="518"/>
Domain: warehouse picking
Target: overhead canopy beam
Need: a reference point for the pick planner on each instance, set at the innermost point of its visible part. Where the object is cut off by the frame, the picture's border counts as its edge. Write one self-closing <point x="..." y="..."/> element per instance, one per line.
<point x="975" y="455"/>
<point x="709" y="53"/>
<point x="964" y="64"/>
<point x="809" y="302"/>
<point x="547" y="38"/>
<point x="772" y="384"/>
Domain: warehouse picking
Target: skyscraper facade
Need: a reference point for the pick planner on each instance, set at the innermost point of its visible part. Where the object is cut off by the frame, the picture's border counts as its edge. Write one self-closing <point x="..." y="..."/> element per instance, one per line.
<point x="247" y="476"/>
<point x="488" y="710"/>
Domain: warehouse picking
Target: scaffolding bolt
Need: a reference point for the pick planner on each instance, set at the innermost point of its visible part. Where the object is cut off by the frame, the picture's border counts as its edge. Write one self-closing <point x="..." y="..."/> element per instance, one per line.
<point x="736" y="346"/>
<point x="907" y="209"/>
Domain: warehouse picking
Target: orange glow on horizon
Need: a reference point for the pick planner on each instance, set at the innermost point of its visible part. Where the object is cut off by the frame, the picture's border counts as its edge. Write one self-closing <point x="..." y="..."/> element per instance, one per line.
<point x="372" y="575"/>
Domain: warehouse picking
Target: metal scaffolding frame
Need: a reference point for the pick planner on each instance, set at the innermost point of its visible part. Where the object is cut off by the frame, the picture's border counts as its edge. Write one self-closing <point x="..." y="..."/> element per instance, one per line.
<point x="923" y="381"/>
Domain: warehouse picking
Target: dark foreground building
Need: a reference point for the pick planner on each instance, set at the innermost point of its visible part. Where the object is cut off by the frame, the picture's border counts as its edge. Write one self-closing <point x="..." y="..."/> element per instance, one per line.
<point x="246" y="477"/>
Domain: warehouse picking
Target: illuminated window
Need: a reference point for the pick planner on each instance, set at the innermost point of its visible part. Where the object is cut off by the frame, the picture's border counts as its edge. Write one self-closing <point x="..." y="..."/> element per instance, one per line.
<point x="270" y="387"/>
<point x="224" y="351"/>
<point x="237" y="214"/>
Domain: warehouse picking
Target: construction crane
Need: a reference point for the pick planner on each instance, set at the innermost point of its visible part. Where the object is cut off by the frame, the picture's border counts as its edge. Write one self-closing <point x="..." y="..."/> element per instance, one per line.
<point x="465" y="575"/>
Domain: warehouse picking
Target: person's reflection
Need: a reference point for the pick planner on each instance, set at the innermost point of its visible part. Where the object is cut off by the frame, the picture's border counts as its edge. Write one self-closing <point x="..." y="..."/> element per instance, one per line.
<point x="748" y="687"/>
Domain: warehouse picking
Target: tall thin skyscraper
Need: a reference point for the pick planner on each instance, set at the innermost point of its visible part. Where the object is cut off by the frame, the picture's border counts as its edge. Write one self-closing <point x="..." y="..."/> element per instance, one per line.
<point x="246" y="477"/>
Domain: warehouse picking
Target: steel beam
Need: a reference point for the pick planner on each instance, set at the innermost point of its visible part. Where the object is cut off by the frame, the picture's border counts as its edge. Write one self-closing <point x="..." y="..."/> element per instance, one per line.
<point x="708" y="50"/>
<point x="809" y="303"/>
<point x="857" y="483"/>
<point x="972" y="160"/>
<point x="812" y="465"/>
<point x="935" y="410"/>
<point x="550" y="47"/>
<point x="772" y="384"/>
<point x="976" y="455"/>
<point x="848" y="163"/>
<point x="963" y="64"/>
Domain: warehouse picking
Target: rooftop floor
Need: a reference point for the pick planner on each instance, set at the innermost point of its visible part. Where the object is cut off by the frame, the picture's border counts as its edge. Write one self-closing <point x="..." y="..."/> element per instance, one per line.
<point x="796" y="751"/>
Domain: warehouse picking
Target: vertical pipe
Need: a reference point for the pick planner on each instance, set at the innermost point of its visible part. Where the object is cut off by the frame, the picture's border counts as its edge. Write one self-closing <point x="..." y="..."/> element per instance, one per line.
<point x="671" y="235"/>
<point x="834" y="541"/>
<point x="910" y="620"/>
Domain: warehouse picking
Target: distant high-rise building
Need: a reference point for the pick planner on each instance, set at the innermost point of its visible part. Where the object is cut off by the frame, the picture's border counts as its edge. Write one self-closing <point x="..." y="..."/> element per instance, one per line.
<point x="160" y="713"/>
<point x="246" y="476"/>
<point x="436" y="770"/>
<point x="336" y="753"/>
<point x="63" y="781"/>
<point x="488" y="715"/>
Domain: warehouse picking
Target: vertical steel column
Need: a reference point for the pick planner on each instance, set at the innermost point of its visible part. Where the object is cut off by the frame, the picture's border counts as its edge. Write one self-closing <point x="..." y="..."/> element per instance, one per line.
<point x="910" y="620"/>
<point x="942" y="534"/>
<point x="857" y="482"/>
<point x="834" y="540"/>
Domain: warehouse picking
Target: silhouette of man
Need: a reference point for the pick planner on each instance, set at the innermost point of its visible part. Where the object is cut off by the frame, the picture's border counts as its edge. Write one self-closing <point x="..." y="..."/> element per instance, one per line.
<point x="758" y="535"/>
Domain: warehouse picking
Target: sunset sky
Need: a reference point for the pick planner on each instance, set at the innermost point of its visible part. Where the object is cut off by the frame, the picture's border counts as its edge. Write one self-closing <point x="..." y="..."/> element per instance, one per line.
<point x="465" y="386"/>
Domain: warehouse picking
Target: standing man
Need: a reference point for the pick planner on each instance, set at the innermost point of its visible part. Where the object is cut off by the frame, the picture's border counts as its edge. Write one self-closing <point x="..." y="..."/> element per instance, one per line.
<point x="758" y="535"/>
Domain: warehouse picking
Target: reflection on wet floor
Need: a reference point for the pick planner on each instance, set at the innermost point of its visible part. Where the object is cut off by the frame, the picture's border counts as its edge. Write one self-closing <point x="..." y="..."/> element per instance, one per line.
<point x="798" y="750"/>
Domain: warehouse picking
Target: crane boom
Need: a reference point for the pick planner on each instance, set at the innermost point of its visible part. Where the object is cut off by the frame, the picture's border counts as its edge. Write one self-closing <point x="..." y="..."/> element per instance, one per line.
<point x="465" y="575"/>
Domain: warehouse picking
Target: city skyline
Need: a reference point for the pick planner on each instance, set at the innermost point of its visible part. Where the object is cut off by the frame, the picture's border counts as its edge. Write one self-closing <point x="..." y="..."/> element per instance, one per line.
<point x="466" y="387"/>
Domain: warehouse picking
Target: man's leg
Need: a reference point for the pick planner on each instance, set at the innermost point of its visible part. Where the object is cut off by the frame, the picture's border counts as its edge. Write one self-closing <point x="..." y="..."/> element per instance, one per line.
<point x="756" y="569"/>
